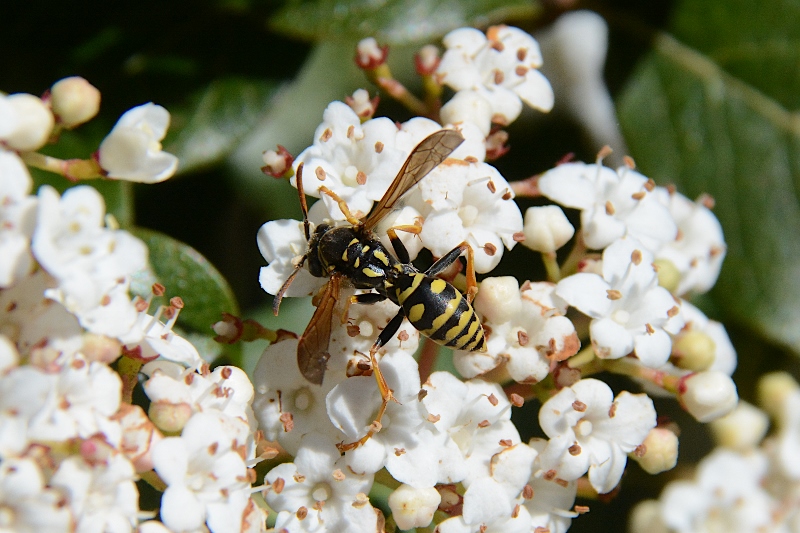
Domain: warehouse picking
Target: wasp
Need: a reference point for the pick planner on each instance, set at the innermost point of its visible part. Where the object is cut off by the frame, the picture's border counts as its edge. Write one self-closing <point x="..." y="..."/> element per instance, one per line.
<point x="352" y="254"/>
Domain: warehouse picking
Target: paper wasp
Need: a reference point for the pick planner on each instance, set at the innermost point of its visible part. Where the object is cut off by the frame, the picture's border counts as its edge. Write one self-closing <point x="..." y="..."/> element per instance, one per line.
<point x="352" y="254"/>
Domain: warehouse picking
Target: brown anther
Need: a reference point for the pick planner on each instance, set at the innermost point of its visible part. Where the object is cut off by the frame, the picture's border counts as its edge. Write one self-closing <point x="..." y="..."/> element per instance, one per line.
<point x="499" y="77"/>
<point x="650" y="185"/>
<point x="433" y="418"/>
<point x="518" y="237"/>
<point x="507" y="195"/>
<point x="638" y="195"/>
<point x="674" y="310"/>
<point x="320" y="173"/>
<point x="353" y="330"/>
<point x="490" y="249"/>
<point x="361" y="500"/>
<point x="77" y="364"/>
<point x="521" y="71"/>
<point x="604" y="152"/>
<point x="318" y="505"/>
<point x="189" y="378"/>
<point x="649" y="329"/>
<point x="579" y="406"/>
<point x="105" y="300"/>
<point x="421" y="394"/>
<point x="277" y="485"/>
<point x="506" y="443"/>
<point x="288" y="422"/>
<point x="326" y="135"/>
<point x="484" y="424"/>
<point x="350" y="130"/>
<point x="575" y="449"/>
<point x="613" y="294"/>
<point x="298" y="477"/>
<point x="636" y="257"/>
<point x="338" y="475"/>
<point x="158" y="289"/>
<point x="399" y="451"/>
<point x="402" y="336"/>
<point x="498" y="45"/>
<point x="516" y="400"/>
<point x="612" y="411"/>
<point x="610" y="208"/>
<point x="361" y="178"/>
<point x="493" y="400"/>
<point x="301" y="513"/>
<point x="252" y="476"/>
<point x="640" y="451"/>
<point x="212" y="448"/>
<point x="550" y="475"/>
<point x="694" y="262"/>
<point x="176" y="302"/>
<point x="541" y="529"/>
<point x="515" y="512"/>
<point x="491" y="186"/>
<point x="13" y="305"/>
<point x="628" y="162"/>
<point x="378" y="147"/>
<point x="527" y="492"/>
<point x="471" y="159"/>
<point x="561" y="482"/>
<point x="522" y="53"/>
<point x="522" y="338"/>
<point x="581" y="509"/>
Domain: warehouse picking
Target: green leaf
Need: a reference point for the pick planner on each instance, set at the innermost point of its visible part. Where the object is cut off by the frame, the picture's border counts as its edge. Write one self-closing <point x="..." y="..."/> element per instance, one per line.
<point x="691" y="121"/>
<point x="392" y="21"/>
<point x="186" y="273"/>
<point x="217" y="118"/>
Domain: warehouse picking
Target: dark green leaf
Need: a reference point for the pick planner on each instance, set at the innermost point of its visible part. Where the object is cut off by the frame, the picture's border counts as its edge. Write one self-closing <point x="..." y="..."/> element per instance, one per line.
<point x="393" y="21"/>
<point x="216" y="120"/>
<point x="687" y="120"/>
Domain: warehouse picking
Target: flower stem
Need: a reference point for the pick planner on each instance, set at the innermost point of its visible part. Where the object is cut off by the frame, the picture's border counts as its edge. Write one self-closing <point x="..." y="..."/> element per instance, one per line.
<point x="551" y="266"/>
<point x="152" y="479"/>
<point x="72" y="169"/>
<point x="577" y="253"/>
<point x="527" y="188"/>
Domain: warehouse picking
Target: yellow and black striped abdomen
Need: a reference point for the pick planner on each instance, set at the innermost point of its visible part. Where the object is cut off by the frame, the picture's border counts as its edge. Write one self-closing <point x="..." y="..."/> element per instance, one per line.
<point x="439" y="311"/>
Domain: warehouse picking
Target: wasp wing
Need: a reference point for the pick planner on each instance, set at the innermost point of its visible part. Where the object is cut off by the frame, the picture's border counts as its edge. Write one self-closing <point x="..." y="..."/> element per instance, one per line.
<point x="312" y="349"/>
<point x="425" y="157"/>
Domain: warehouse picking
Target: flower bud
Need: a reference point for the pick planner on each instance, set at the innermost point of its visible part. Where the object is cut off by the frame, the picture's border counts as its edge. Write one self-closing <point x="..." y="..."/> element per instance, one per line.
<point x="413" y="507"/>
<point x="427" y="60"/>
<point x="646" y="518"/>
<point x="669" y="276"/>
<point x="170" y="417"/>
<point x="659" y="451"/>
<point x="773" y="389"/>
<point x="101" y="348"/>
<point x="546" y="228"/>
<point x="693" y="350"/>
<point x="277" y="163"/>
<point x="74" y="101"/>
<point x="468" y="106"/>
<point x="708" y="395"/>
<point x="742" y="429"/>
<point x="369" y="55"/>
<point x="9" y="356"/>
<point x="498" y="299"/>
<point x="34" y="122"/>
<point x="361" y="104"/>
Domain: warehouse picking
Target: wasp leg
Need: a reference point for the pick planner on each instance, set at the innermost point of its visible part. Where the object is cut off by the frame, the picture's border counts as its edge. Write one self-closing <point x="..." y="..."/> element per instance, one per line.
<point x="367" y="298"/>
<point x="449" y="258"/>
<point x="400" y="248"/>
<point x="342" y="205"/>
<point x="386" y="393"/>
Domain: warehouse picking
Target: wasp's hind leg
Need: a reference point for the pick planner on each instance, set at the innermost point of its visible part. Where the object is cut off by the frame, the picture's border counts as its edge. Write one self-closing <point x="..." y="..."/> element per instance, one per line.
<point x="399" y="248"/>
<point x="386" y="393"/>
<point x="449" y="258"/>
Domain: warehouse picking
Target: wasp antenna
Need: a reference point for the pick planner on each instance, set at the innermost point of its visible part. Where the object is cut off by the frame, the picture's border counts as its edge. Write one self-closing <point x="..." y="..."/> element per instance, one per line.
<point x="303" y="204"/>
<point x="276" y="303"/>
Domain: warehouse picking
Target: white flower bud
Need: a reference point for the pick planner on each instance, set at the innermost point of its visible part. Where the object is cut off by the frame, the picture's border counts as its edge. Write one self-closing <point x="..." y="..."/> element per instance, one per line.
<point x="742" y="429"/>
<point x="170" y="417"/>
<point x="361" y="103"/>
<point x="708" y="395"/>
<point x="546" y="228"/>
<point x="369" y="54"/>
<point x="693" y="350"/>
<point x="468" y="106"/>
<point x="669" y="276"/>
<point x="646" y="518"/>
<point x="34" y="122"/>
<point x="428" y="59"/>
<point x="413" y="507"/>
<point x="773" y="389"/>
<point x="9" y="356"/>
<point x="75" y="101"/>
<point x="659" y="451"/>
<point x="498" y="299"/>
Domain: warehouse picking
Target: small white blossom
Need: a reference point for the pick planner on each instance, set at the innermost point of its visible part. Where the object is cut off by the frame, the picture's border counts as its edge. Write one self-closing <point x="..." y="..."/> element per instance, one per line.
<point x="132" y="151"/>
<point x="149" y="338"/>
<point x="469" y="107"/>
<point x="613" y="204"/>
<point x="17" y="219"/>
<point x="630" y="312"/>
<point x="553" y="498"/>
<point x="501" y="65"/>
<point x="589" y="430"/>
<point x="281" y="243"/>
<point x="32" y="122"/>
<point x="28" y="506"/>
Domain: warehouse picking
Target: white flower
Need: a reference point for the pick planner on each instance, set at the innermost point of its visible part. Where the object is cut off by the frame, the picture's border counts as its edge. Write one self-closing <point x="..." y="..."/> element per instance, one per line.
<point x="501" y="66"/>
<point x="699" y="249"/>
<point x="206" y="475"/>
<point x="527" y="330"/>
<point x="102" y="497"/>
<point x="589" y="430"/>
<point x="132" y="151"/>
<point x="469" y="107"/>
<point x="281" y="243"/>
<point x="708" y="395"/>
<point x="469" y="202"/>
<point x="552" y="498"/>
<point x="629" y="310"/>
<point x="149" y="338"/>
<point x="356" y="161"/>
<point x="613" y="204"/>
<point x="788" y="437"/>
<point x="29" y="507"/>
<point x="17" y="219"/>
<point x="319" y="480"/>
<point x="92" y="263"/>
<point x="31" y="122"/>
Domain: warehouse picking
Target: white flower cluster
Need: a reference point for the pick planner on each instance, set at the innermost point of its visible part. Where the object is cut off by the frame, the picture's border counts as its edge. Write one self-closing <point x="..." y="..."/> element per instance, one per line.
<point x="450" y="444"/>
<point x="72" y="444"/>
<point x="746" y="483"/>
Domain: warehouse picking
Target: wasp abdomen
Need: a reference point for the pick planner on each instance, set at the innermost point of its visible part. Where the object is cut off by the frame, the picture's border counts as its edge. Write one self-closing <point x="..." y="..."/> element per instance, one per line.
<point x="439" y="311"/>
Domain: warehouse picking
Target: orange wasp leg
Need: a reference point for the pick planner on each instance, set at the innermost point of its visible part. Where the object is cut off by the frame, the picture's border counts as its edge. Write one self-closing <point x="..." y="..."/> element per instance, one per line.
<point x="342" y="205"/>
